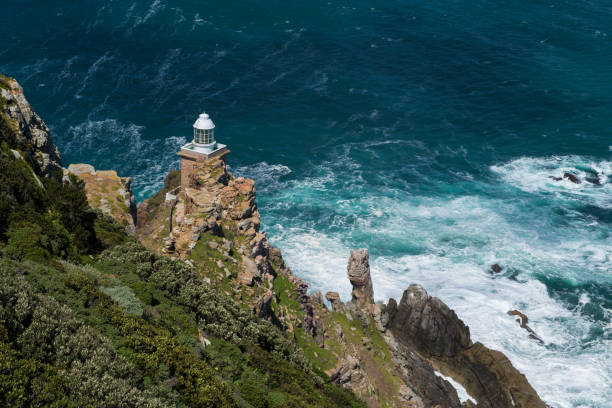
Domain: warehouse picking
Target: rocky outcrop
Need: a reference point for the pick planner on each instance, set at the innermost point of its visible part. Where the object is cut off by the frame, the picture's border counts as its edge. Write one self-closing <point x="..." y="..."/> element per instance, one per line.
<point x="33" y="134"/>
<point x="523" y="320"/>
<point x="426" y="325"/>
<point x="358" y="270"/>
<point x="109" y="193"/>
<point x="430" y="325"/>
<point x="571" y="177"/>
<point x="334" y="299"/>
<point x="387" y="354"/>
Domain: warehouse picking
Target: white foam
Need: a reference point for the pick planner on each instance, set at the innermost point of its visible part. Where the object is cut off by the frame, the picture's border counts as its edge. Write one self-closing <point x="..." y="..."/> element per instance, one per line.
<point x="533" y="174"/>
<point x="447" y="244"/>
<point x="268" y="176"/>
<point x="461" y="392"/>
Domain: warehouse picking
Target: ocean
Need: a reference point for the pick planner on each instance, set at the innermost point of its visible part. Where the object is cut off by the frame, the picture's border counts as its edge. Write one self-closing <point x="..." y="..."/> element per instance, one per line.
<point x="424" y="131"/>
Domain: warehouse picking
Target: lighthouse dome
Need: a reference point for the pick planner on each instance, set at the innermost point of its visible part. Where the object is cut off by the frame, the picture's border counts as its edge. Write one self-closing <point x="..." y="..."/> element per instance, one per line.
<point x="203" y="122"/>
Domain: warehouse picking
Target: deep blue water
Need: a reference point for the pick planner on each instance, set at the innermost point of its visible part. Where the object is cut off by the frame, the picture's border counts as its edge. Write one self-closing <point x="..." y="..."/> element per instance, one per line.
<point x="425" y="131"/>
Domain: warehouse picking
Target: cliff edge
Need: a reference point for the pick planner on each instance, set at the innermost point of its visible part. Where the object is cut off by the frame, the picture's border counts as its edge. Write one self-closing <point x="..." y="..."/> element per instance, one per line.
<point x="28" y="129"/>
<point x="391" y="355"/>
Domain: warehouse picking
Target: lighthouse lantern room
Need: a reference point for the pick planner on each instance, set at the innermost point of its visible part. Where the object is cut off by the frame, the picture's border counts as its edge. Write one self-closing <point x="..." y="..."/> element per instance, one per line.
<point x="202" y="147"/>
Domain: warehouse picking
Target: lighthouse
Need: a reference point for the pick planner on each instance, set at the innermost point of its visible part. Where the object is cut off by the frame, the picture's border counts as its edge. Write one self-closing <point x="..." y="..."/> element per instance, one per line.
<point x="203" y="147"/>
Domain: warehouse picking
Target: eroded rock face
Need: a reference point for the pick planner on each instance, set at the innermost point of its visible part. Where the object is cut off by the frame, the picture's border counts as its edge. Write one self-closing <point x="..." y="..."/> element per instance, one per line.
<point x="31" y="128"/>
<point x="334" y="299"/>
<point x="358" y="270"/>
<point x="431" y="325"/>
<point x="427" y="325"/>
<point x="109" y="193"/>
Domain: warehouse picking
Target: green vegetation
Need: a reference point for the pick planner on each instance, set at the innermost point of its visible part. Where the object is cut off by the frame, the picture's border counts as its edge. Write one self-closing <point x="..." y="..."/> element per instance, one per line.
<point x="137" y="316"/>
<point x="40" y="222"/>
<point x="89" y="318"/>
<point x="4" y="81"/>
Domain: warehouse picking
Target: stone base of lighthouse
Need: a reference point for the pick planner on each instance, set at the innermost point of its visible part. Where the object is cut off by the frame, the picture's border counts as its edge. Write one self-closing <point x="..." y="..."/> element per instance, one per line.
<point x="191" y="155"/>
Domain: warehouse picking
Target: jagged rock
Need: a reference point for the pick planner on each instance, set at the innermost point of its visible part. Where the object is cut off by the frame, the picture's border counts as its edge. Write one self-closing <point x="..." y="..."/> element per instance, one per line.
<point x="263" y="266"/>
<point x="334" y="299"/>
<point x="245" y="224"/>
<point x="358" y="270"/>
<point x="381" y="317"/>
<point x="496" y="268"/>
<point x="263" y="306"/>
<point x="523" y="320"/>
<point x="571" y="177"/>
<point x="248" y="272"/>
<point x="301" y="287"/>
<point x="345" y="370"/>
<point x="168" y="245"/>
<point x="259" y="245"/>
<point x="391" y="308"/>
<point x="422" y="387"/>
<point x="33" y="135"/>
<point x="316" y="298"/>
<point x="434" y="331"/>
<point x="431" y="325"/>
<point x="109" y="193"/>
<point x="227" y="245"/>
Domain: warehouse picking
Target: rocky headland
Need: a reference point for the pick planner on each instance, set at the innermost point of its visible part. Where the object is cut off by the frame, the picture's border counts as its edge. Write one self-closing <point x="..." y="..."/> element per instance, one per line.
<point x="389" y="354"/>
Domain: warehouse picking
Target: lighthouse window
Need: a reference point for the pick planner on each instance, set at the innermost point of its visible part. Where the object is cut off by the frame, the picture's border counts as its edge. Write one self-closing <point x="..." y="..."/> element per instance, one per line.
<point x="204" y="136"/>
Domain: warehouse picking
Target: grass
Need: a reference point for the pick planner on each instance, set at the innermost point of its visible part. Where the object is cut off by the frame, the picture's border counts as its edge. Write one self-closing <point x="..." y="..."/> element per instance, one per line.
<point x="4" y="82"/>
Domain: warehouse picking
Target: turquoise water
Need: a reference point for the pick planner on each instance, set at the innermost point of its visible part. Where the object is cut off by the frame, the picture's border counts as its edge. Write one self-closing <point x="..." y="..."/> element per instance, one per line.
<point x="425" y="131"/>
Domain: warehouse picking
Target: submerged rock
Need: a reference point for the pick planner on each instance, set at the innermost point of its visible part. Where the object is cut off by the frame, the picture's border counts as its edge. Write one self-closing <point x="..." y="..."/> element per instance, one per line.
<point x="523" y="320"/>
<point x="496" y="268"/>
<point x="593" y="180"/>
<point x="571" y="177"/>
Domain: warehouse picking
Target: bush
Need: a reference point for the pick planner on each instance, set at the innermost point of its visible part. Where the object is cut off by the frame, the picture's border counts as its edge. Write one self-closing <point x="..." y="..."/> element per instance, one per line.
<point x="37" y="237"/>
<point x="125" y="298"/>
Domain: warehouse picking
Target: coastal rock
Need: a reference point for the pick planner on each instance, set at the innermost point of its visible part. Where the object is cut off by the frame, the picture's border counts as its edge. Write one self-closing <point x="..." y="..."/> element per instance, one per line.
<point x="316" y="298"/>
<point x="430" y="324"/>
<point x="109" y="193"/>
<point x="523" y="320"/>
<point x="496" y="268"/>
<point x="380" y="315"/>
<point x="334" y="299"/>
<point x="358" y="270"/>
<point x="427" y="325"/>
<point x="375" y="364"/>
<point x="263" y="306"/>
<point x="345" y="371"/>
<point x="248" y="272"/>
<point x="422" y="387"/>
<point x="33" y="135"/>
<point x="571" y="177"/>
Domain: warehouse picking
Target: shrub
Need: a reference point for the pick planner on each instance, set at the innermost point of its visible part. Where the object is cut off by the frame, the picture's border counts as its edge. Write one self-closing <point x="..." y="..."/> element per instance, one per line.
<point x="125" y="298"/>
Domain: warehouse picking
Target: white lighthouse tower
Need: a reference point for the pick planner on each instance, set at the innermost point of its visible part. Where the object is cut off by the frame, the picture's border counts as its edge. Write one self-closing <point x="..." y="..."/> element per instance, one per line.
<point x="202" y="147"/>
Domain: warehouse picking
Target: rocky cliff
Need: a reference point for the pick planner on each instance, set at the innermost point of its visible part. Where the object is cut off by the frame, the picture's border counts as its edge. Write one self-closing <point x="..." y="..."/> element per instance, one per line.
<point x="32" y="135"/>
<point x="389" y="354"/>
<point x="109" y="193"/>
